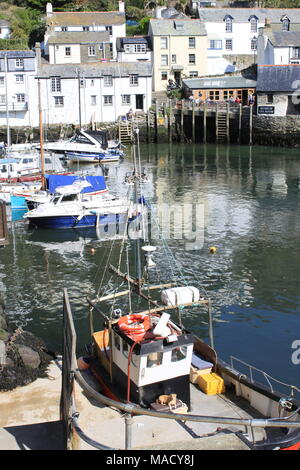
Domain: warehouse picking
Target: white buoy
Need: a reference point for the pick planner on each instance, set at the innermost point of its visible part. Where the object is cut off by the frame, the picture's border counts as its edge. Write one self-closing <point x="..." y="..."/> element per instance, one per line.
<point x="161" y="328"/>
<point x="149" y="251"/>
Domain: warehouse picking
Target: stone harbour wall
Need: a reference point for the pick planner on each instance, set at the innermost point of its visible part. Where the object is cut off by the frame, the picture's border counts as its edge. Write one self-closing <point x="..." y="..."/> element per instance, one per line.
<point x="277" y="130"/>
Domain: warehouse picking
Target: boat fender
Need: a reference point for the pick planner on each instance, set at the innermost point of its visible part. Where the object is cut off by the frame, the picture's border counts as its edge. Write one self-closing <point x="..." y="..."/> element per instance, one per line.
<point x="83" y="363"/>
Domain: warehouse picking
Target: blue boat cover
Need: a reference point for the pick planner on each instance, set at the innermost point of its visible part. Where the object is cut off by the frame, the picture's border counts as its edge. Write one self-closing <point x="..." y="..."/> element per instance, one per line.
<point x="54" y="181"/>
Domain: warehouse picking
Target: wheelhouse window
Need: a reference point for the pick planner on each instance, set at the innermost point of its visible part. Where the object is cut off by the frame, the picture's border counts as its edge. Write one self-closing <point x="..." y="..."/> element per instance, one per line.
<point x="178" y="354"/>
<point x="154" y="359"/>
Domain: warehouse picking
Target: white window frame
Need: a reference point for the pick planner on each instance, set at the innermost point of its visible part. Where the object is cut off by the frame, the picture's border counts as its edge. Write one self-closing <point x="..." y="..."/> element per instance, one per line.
<point x="164" y="42"/>
<point x="92" y="51"/>
<point x="107" y="80"/>
<point x="164" y="60"/>
<point x="20" y="97"/>
<point x="58" y="101"/>
<point x="2" y="99"/>
<point x="68" y="51"/>
<point x="56" y="84"/>
<point x="19" y="63"/>
<point x="228" y="25"/>
<point x="93" y="100"/>
<point x="227" y="42"/>
<point x="253" y="25"/>
<point x="107" y="100"/>
<point x="192" y="61"/>
<point x="133" y="79"/>
<point x="192" y="42"/>
<point x="126" y="100"/>
<point x="19" y="78"/>
<point x="2" y="81"/>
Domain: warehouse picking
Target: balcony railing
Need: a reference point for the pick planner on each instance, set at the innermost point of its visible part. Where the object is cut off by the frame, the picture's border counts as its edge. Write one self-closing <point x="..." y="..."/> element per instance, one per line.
<point x="14" y="106"/>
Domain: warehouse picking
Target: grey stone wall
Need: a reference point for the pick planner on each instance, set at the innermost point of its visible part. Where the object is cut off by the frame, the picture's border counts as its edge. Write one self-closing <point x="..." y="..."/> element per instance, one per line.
<point x="277" y="130"/>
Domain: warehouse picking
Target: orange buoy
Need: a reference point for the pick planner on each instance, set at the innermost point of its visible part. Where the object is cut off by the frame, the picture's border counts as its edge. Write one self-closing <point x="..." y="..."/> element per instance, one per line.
<point x="135" y="325"/>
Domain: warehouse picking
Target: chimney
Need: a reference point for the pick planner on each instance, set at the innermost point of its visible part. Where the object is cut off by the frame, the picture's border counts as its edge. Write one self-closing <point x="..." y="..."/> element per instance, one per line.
<point x="49" y="9"/>
<point x="121" y="6"/>
<point x="38" y="55"/>
<point x="158" y="11"/>
<point x="267" y="23"/>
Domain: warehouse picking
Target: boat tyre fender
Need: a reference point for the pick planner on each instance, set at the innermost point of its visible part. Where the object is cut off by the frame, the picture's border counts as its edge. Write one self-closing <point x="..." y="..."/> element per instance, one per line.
<point x="135" y="323"/>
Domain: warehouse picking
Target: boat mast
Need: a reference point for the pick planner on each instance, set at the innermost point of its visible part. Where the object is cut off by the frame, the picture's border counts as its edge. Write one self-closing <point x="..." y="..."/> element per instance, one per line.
<point x="79" y="99"/>
<point x="41" y="135"/>
<point x="6" y="101"/>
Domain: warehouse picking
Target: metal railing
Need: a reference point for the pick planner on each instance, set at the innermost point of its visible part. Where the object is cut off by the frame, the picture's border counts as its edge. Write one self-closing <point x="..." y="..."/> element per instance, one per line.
<point x="71" y="417"/>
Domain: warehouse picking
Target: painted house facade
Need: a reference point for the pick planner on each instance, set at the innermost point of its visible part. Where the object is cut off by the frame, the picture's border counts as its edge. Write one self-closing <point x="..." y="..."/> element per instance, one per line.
<point x="232" y="34"/>
<point x="179" y="50"/>
<point x="132" y="49"/>
<point x="18" y="89"/>
<point x="112" y="22"/>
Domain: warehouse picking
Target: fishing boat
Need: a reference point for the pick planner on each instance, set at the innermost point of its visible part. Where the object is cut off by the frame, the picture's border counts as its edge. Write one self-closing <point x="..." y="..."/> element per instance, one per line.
<point x="103" y="156"/>
<point x="144" y="357"/>
<point x="74" y="206"/>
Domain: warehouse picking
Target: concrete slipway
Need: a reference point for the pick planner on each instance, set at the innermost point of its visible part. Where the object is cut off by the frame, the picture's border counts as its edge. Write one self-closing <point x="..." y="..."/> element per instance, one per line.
<point x="29" y="419"/>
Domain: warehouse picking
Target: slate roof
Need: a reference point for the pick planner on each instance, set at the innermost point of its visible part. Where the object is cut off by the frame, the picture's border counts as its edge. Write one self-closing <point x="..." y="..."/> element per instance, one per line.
<point x="285" y="38"/>
<point x="4" y="24"/>
<point x="232" y="81"/>
<point x="120" y="42"/>
<point x="82" y="37"/>
<point x="277" y="78"/>
<point x="96" y="70"/>
<point x="16" y="54"/>
<point x="241" y="15"/>
<point x="164" y="27"/>
<point x="85" y="18"/>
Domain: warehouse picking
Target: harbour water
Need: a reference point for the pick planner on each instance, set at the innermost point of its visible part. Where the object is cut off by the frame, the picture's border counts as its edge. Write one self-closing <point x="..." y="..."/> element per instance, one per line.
<point x="248" y="199"/>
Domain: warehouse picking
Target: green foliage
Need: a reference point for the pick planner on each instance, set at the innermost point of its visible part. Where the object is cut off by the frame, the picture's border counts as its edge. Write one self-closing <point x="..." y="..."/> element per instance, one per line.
<point x="26" y="25"/>
<point x="13" y="44"/>
<point x="140" y="29"/>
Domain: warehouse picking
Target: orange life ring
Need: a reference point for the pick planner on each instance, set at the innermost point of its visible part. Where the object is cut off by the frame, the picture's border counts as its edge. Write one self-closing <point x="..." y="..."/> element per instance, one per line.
<point x="136" y="324"/>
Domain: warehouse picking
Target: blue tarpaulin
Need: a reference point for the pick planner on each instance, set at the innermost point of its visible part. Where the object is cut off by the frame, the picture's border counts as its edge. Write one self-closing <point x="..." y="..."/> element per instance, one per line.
<point x="54" y="181"/>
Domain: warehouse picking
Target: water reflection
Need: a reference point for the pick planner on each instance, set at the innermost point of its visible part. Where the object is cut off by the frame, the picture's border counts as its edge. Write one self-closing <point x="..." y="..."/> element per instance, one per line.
<point x="251" y="214"/>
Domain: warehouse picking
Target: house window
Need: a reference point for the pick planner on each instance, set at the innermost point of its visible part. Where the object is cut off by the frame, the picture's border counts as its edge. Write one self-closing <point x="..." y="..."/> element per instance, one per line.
<point x="85" y="28"/>
<point x="107" y="100"/>
<point x="67" y="51"/>
<point x="214" y="95"/>
<point x="192" y="59"/>
<point x="20" y="97"/>
<point x="107" y="80"/>
<point x="193" y="74"/>
<point x="192" y="43"/>
<point x="109" y="29"/>
<point x="296" y="53"/>
<point x="93" y="100"/>
<point x="228" y="25"/>
<point x="253" y="44"/>
<point x="19" y="63"/>
<point x="228" y="44"/>
<point x="91" y="51"/>
<point x="92" y="82"/>
<point x="253" y="25"/>
<point x="134" y="48"/>
<point x="2" y="99"/>
<point x="164" y="59"/>
<point x="82" y="82"/>
<point x="64" y="29"/>
<point x="164" y="43"/>
<point x="2" y="81"/>
<point x="285" y="24"/>
<point x="55" y="85"/>
<point x="270" y="99"/>
<point x="126" y="99"/>
<point x="215" y="44"/>
<point x="174" y="59"/>
<point x="58" y="101"/>
<point x="133" y="80"/>
<point x="19" y="78"/>
<point x="164" y="75"/>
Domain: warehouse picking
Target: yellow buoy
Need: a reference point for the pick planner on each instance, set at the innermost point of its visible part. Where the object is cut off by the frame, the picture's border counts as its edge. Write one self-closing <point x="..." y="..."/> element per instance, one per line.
<point x="213" y="249"/>
<point x="93" y="251"/>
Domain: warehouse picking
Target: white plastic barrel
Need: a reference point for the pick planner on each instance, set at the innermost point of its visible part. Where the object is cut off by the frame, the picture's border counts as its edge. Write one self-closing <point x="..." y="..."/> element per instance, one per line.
<point x="180" y="295"/>
<point x="161" y="328"/>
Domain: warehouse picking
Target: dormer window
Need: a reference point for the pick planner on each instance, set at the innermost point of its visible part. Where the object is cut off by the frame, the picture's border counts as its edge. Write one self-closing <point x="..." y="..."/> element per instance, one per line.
<point x="228" y="24"/>
<point x="253" y="24"/>
<point x="285" y="23"/>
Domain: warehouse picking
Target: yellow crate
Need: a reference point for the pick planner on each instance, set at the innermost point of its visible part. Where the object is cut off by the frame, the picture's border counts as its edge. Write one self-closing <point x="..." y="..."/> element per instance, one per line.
<point x="195" y="373"/>
<point x="211" y="384"/>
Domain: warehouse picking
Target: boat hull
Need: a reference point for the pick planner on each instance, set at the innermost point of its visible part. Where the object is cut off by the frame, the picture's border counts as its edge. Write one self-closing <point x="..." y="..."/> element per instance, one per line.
<point x="73" y="221"/>
<point x="92" y="157"/>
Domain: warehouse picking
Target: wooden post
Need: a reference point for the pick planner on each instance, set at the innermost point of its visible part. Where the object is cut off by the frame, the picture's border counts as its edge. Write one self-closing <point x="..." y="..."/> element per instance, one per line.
<point x="227" y="123"/>
<point x="240" y="122"/>
<point x="155" y="121"/>
<point x="204" y="122"/>
<point x="148" y="126"/>
<point x="182" y="120"/>
<point x="170" y="121"/>
<point x="193" y="121"/>
<point x="250" y="124"/>
<point x="3" y="225"/>
<point x="217" y="116"/>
